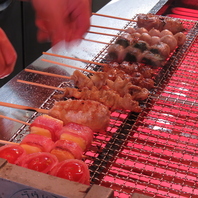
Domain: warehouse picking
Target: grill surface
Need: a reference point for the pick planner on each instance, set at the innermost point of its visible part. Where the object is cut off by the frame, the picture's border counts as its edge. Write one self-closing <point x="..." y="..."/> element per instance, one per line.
<point x="153" y="152"/>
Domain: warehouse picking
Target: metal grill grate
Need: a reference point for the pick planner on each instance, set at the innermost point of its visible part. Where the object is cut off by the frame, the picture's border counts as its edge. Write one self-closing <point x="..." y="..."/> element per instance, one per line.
<point x="158" y="155"/>
<point x="154" y="152"/>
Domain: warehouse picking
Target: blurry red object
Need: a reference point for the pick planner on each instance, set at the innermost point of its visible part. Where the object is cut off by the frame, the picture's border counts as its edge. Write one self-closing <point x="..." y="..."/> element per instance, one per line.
<point x="73" y="170"/>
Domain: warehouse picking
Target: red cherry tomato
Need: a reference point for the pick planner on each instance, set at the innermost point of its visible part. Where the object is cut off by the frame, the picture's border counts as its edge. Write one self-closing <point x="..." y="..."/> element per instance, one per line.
<point x="73" y="170"/>
<point x="42" y="162"/>
<point x="11" y="153"/>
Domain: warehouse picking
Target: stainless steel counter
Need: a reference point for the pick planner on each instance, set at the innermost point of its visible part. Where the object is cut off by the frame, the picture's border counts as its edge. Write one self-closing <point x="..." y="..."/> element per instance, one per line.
<point x="18" y="93"/>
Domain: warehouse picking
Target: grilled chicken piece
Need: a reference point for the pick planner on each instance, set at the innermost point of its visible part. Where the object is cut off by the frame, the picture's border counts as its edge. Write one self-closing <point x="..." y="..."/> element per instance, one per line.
<point x="109" y="98"/>
<point x="86" y="112"/>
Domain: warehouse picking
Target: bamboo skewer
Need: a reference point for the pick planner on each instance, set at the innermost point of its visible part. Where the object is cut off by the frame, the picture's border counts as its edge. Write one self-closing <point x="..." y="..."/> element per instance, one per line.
<point x="113" y="17"/>
<point x="15" y="106"/>
<point x="101" y="42"/>
<point x="47" y="74"/>
<point x="102" y="33"/>
<point x="15" y="120"/>
<point x="8" y="142"/>
<point x="110" y="28"/>
<point x="72" y="58"/>
<point x="40" y="85"/>
<point x="65" y="65"/>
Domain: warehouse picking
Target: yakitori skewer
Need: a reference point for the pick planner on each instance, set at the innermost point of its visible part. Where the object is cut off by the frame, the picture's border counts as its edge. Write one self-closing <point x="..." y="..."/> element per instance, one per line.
<point x="113" y="17"/>
<point x="72" y="58"/>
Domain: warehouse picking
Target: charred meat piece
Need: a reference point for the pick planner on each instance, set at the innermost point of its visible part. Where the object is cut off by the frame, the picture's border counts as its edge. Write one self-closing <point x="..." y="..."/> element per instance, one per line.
<point x="174" y="25"/>
<point x="141" y="45"/>
<point x="162" y="49"/>
<point x="125" y="40"/>
<point x="110" y="98"/>
<point x="149" y="21"/>
<point x="132" y="54"/>
<point x="115" y="53"/>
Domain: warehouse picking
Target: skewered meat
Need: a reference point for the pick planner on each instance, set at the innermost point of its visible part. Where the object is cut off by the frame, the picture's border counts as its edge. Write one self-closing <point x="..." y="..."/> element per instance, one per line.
<point x="145" y="37"/>
<point x="154" y="32"/>
<point x="165" y="32"/>
<point x="150" y="21"/>
<point x="108" y="98"/>
<point x="130" y="30"/>
<point x="46" y="125"/>
<point x="125" y="40"/>
<point x="33" y="143"/>
<point x="174" y="25"/>
<point x="115" y="52"/>
<point x="170" y="40"/>
<point x="180" y="37"/>
<point x="141" y="30"/>
<point x="81" y="80"/>
<point x="86" y="112"/>
<point x="154" y="40"/>
<point x="141" y="45"/>
<point x="65" y="149"/>
<point x="152" y="59"/>
<point x="82" y="135"/>
<point x="131" y="71"/>
<point x="131" y="54"/>
<point x="123" y="87"/>
<point x="161" y="48"/>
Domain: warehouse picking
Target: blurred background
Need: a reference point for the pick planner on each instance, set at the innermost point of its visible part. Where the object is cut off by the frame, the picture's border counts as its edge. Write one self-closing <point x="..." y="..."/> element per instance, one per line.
<point x="17" y="20"/>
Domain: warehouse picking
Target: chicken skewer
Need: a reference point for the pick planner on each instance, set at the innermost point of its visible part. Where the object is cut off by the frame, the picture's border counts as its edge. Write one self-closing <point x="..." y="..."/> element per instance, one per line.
<point x="150" y="21"/>
<point x="100" y="81"/>
<point x="109" y="98"/>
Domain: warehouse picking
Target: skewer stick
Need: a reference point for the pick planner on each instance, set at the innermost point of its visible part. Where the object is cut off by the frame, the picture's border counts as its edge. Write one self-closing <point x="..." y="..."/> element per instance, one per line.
<point x="8" y="142"/>
<point x="102" y="33"/>
<point x="101" y="42"/>
<point x="113" y="17"/>
<point x="72" y="58"/>
<point x="15" y="120"/>
<point x="5" y="104"/>
<point x="47" y="74"/>
<point x="40" y="85"/>
<point x="65" y="65"/>
<point x="110" y="28"/>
